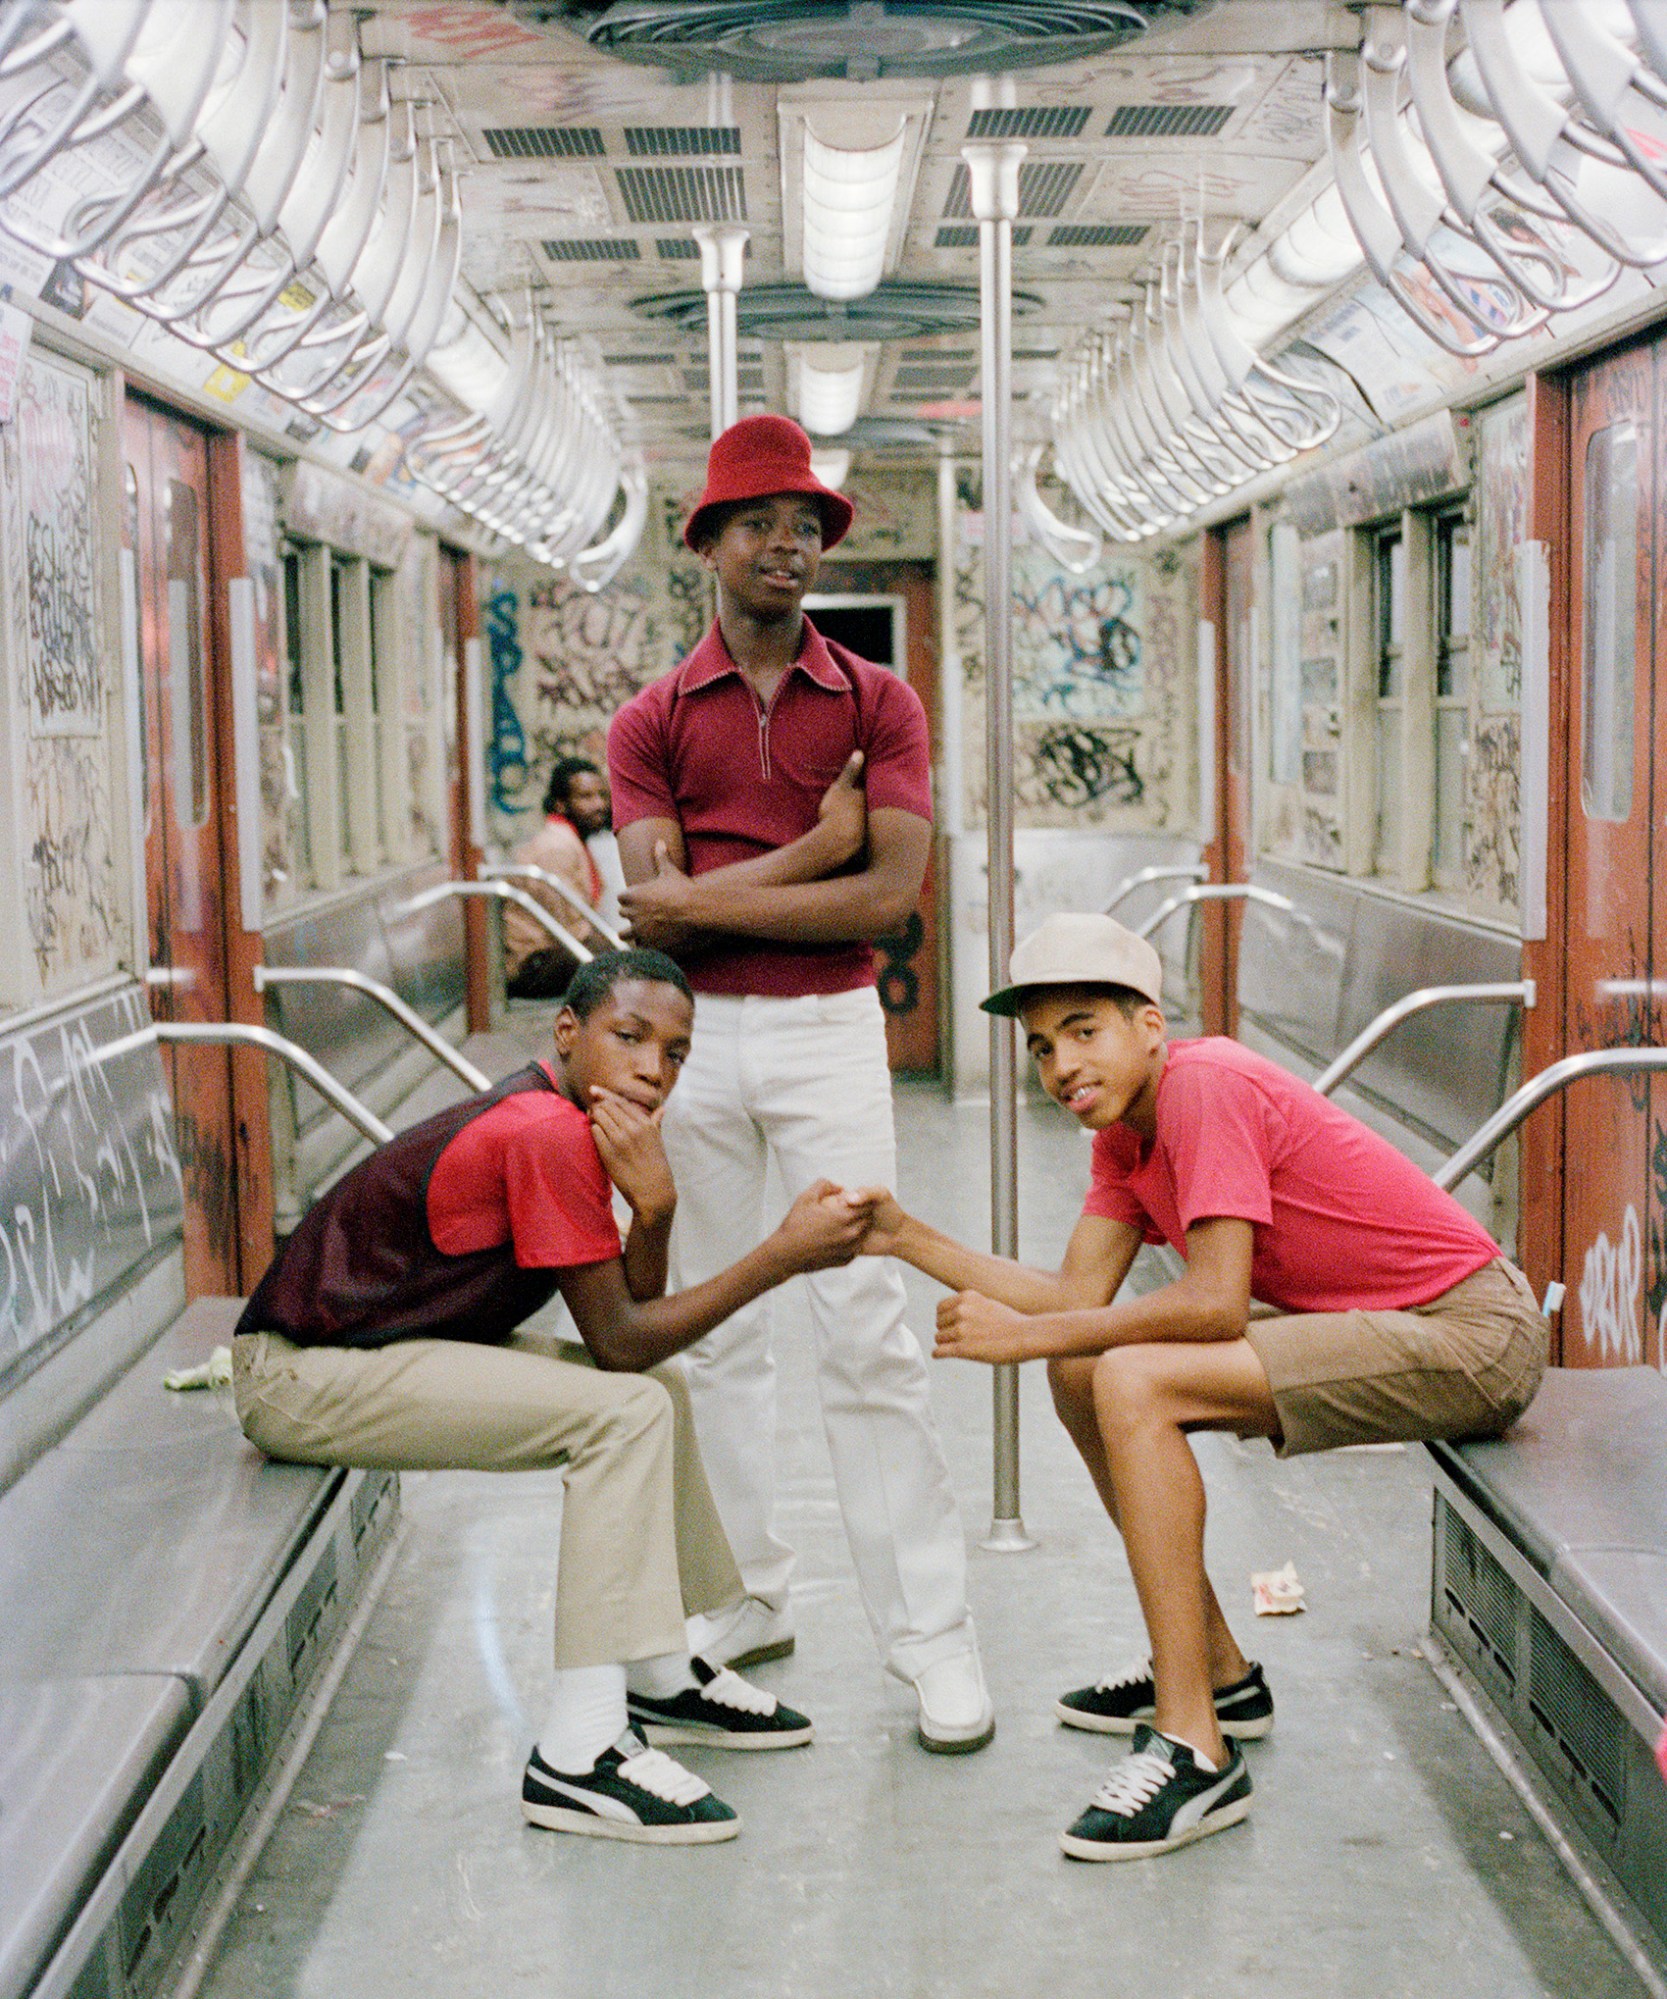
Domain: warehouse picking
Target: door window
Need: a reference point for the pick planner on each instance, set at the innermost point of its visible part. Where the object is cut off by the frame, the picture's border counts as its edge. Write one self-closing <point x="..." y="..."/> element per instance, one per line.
<point x="1609" y="620"/>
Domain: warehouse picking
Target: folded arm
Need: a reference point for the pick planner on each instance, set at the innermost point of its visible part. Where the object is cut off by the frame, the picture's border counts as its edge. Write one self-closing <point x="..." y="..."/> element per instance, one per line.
<point x="835" y="909"/>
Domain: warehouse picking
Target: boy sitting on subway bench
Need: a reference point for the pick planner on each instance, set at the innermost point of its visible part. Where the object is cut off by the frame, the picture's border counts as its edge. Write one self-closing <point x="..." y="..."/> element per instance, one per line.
<point x="1394" y="1317"/>
<point x="385" y="1335"/>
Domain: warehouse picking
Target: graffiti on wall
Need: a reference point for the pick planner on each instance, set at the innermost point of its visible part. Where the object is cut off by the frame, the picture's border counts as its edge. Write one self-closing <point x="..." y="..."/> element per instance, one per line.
<point x="1492" y="857"/>
<point x="54" y="460"/>
<point x="69" y="866"/>
<point x="1501" y="523"/>
<point x="89" y="1177"/>
<point x="506" y="744"/>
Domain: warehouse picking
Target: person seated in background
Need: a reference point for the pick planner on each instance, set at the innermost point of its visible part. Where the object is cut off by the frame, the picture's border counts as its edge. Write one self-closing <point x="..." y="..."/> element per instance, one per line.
<point x="603" y="848"/>
<point x="387" y="1333"/>
<point x="1394" y="1317"/>
<point x="575" y="806"/>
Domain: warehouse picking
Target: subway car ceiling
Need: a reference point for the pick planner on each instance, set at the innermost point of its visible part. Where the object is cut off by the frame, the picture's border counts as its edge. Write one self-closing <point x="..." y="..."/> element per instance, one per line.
<point x="455" y="247"/>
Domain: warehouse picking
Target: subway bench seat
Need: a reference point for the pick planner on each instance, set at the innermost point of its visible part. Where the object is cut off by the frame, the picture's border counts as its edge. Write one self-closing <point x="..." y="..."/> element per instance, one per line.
<point x="1550" y="1586"/>
<point x="168" y="1594"/>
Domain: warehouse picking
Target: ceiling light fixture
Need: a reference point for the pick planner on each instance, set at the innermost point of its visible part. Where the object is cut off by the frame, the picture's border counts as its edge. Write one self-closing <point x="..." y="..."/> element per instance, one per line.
<point x="828" y="384"/>
<point x="831" y="467"/>
<point x="849" y="196"/>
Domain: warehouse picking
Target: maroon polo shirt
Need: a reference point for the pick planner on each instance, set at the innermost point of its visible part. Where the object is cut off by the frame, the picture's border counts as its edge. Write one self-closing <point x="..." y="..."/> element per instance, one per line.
<point x="741" y="779"/>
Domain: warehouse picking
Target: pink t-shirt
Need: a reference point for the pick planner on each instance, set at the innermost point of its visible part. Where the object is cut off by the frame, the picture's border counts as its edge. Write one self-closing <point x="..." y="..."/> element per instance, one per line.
<point x="1341" y="1220"/>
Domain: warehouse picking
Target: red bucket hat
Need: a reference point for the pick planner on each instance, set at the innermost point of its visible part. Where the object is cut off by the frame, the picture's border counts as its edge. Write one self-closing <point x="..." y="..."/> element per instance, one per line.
<point x="757" y="458"/>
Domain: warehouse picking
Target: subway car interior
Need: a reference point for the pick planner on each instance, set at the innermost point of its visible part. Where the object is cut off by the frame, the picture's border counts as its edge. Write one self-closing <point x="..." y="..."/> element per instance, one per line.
<point x="1250" y="412"/>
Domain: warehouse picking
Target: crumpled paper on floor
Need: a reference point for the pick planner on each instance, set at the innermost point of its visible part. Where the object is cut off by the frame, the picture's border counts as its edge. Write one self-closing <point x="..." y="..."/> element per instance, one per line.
<point x="1276" y="1592"/>
<point x="215" y="1372"/>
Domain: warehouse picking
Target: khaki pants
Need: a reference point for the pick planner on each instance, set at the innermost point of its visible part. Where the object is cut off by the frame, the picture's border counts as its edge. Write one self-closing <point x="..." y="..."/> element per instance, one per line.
<point x="641" y="1544"/>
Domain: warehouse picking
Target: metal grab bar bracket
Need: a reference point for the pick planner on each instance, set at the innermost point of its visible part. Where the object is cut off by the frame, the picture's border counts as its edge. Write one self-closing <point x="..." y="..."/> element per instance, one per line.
<point x="1519" y="992"/>
<point x="1487" y="1138"/>
<point x="504" y="892"/>
<point x="1214" y="892"/>
<point x="1193" y="872"/>
<point x="386" y="998"/>
<point x="524" y="870"/>
<point x="240" y="1034"/>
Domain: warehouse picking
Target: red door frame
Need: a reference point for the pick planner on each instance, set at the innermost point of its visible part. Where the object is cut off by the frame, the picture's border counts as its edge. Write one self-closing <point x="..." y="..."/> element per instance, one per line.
<point x="1226" y="850"/>
<point x="460" y="626"/>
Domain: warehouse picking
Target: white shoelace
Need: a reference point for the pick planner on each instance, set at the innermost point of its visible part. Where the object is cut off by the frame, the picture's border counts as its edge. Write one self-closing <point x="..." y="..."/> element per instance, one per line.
<point x="1132" y="1783"/>
<point x="727" y="1689"/>
<point x="652" y="1770"/>
<point x="1126" y="1676"/>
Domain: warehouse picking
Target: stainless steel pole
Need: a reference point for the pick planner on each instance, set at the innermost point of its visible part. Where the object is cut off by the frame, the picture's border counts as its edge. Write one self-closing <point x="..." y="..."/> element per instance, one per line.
<point x="994" y="175"/>
<point x="722" y="253"/>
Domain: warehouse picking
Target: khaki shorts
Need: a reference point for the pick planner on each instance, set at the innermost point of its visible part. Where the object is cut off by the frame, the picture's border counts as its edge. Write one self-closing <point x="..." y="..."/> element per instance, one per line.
<point x="1467" y="1364"/>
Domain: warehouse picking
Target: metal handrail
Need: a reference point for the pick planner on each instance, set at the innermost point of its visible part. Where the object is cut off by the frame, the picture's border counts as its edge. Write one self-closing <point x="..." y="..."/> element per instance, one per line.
<point x="1487" y="1138"/>
<point x="240" y="1034"/>
<point x="1195" y="872"/>
<point x="385" y="997"/>
<point x="1499" y="991"/>
<point x="1214" y="892"/>
<point x="504" y="892"/>
<point x="565" y="890"/>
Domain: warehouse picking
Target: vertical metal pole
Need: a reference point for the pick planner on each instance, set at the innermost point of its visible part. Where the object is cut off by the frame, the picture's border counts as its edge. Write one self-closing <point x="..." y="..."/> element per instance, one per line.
<point x="722" y="248"/>
<point x="994" y="174"/>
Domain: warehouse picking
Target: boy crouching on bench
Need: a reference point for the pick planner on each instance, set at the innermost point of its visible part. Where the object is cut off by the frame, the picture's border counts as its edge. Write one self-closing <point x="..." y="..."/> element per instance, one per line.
<point x="385" y="1334"/>
<point x="1395" y="1317"/>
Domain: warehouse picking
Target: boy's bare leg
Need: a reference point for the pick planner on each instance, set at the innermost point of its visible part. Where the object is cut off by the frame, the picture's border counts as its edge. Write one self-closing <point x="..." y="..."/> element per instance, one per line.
<point x="1146" y="1399"/>
<point x="1072" y="1381"/>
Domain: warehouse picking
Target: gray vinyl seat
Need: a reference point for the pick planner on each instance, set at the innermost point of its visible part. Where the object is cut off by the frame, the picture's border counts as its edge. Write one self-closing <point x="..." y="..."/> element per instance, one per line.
<point x="135" y="1557"/>
<point x="1579" y="1486"/>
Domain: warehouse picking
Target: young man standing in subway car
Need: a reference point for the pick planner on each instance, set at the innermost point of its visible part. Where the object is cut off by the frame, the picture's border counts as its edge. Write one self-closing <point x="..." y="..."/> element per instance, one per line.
<point x="751" y="859"/>
<point x="1393" y="1317"/>
<point x="387" y="1334"/>
<point x="575" y="807"/>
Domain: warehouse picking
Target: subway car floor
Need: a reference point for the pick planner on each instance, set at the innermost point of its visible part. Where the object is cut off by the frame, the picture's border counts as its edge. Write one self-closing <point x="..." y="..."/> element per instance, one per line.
<point x="1385" y="1853"/>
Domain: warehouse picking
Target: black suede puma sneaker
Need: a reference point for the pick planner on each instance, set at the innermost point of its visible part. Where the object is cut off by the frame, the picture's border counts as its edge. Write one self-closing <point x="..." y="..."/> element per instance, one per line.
<point x="1117" y="1704"/>
<point x="723" y="1712"/>
<point x="1159" y="1797"/>
<point x="633" y="1792"/>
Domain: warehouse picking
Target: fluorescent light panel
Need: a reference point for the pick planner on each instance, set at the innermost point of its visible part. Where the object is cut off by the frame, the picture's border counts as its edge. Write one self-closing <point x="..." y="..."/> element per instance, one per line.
<point x="848" y="199"/>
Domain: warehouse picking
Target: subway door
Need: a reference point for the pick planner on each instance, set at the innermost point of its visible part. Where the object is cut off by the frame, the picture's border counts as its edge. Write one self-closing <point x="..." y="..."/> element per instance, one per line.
<point x="1614" y="1131"/>
<point x="1229" y="584"/>
<point x="166" y="571"/>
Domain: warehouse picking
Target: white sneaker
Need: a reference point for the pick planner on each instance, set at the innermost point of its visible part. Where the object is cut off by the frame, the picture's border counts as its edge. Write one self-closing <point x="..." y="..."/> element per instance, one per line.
<point x="956" y="1716"/>
<point x="746" y="1635"/>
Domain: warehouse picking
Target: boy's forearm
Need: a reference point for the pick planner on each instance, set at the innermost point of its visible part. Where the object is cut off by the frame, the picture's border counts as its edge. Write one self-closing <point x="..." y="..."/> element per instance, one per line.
<point x="1178" y="1312"/>
<point x="657" y="1328"/>
<point x="647" y="1255"/>
<point x="959" y="1268"/>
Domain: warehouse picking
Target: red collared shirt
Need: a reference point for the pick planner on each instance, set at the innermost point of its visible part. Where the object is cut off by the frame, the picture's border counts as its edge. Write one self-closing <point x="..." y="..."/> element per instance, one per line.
<point x="740" y="779"/>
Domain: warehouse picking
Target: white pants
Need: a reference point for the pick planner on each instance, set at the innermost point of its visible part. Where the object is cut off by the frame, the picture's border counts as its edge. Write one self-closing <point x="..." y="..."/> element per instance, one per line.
<point x="805" y="1081"/>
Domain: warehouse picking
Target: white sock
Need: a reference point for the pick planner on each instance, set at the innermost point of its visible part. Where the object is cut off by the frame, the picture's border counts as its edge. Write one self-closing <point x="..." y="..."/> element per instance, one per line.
<point x="1204" y="1762"/>
<point x="661" y="1678"/>
<point x="587" y="1715"/>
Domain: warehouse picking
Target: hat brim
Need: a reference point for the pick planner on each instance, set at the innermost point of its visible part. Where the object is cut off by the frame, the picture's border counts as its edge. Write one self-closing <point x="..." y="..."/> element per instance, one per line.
<point x="837" y="512"/>
<point x="1008" y="1003"/>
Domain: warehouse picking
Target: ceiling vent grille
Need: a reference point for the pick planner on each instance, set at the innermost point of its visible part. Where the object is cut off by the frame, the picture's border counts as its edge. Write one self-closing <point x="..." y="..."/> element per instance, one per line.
<point x="1044" y="188"/>
<point x="791" y="41"/>
<point x="639" y="360"/>
<point x="964" y="236"/>
<point x="591" y="249"/>
<point x="1029" y="121"/>
<point x="677" y="249"/>
<point x="544" y="142"/>
<point x="897" y="310"/>
<point x="683" y="194"/>
<point x="648" y="142"/>
<point x="1097" y="235"/>
<point x="1168" y="121"/>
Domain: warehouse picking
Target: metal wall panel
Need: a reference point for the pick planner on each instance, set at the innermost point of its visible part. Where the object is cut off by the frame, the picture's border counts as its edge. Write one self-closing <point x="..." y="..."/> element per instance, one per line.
<point x="90" y="1185"/>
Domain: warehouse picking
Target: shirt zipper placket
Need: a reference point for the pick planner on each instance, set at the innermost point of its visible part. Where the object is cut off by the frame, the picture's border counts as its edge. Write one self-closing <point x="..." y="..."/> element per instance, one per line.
<point x="765" y="710"/>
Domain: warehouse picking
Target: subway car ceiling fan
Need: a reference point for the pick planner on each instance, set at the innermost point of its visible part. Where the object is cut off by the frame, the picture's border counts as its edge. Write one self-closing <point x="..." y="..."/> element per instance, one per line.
<point x="792" y="41"/>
